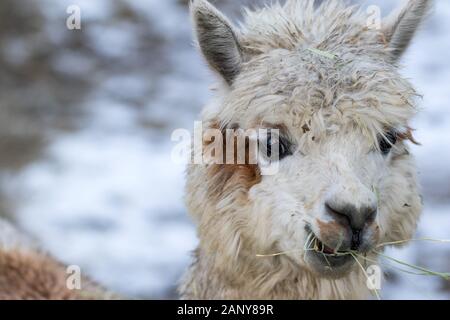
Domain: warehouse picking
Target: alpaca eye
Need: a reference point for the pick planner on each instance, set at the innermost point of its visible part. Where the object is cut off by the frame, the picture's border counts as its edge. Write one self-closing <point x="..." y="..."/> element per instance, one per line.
<point x="283" y="145"/>
<point x="388" y="141"/>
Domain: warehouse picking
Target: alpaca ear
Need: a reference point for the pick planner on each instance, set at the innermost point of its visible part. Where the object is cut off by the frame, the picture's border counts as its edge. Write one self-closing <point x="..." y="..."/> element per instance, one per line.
<point x="400" y="27"/>
<point x="217" y="39"/>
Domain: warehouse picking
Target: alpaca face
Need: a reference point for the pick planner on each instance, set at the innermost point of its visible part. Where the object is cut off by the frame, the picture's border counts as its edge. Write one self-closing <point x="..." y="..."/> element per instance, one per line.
<point x="343" y="154"/>
<point x="323" y="197"/>
<point x="345" y="180"/>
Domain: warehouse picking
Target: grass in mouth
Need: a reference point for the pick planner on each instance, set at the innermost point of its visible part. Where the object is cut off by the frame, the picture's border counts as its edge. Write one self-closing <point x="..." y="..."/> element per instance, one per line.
<point x="314" y="244"/>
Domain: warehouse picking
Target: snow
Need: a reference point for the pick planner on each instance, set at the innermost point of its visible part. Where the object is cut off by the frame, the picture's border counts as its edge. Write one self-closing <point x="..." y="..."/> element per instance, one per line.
<point x="109" y="198"/>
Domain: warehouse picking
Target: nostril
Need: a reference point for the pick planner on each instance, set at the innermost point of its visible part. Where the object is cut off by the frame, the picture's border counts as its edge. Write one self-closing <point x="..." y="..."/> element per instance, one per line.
<point x="356" y="239"/>
<point x="338" y="214"/>
<point x="334" y="212"/>
<point x="353" y="219"/>
<point x="357" y="218"/>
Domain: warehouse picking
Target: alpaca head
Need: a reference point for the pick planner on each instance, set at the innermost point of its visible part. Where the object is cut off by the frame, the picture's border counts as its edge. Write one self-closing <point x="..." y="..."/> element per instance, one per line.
<point x="329" y="82"/>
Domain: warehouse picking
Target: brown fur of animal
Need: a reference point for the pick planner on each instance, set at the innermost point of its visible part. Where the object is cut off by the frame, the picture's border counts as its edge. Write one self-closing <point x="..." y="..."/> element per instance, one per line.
<point x="333" y="84"/>
<point x="27" y="273"/>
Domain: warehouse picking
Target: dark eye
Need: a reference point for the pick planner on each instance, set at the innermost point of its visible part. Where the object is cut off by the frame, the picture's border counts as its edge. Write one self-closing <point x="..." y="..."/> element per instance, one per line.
<point x="386" y="142"/>
<point x="283" y="145"/>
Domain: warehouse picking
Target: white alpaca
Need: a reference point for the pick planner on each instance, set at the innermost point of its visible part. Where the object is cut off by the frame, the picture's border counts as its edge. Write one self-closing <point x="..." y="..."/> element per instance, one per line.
<point x="346" y="179"/>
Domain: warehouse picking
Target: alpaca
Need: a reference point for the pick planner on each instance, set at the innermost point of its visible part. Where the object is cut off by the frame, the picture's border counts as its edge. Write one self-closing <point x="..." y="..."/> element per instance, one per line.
<point x="28" y="273"/>
<point x="331" y="85"/>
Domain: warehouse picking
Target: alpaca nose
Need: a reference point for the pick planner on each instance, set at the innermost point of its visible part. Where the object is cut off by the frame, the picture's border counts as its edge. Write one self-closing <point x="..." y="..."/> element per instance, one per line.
<point x="352" y="217"/>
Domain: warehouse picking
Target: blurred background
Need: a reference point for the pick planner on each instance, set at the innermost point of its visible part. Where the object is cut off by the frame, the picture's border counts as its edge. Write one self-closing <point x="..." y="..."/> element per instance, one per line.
<point x="85" y="123"/>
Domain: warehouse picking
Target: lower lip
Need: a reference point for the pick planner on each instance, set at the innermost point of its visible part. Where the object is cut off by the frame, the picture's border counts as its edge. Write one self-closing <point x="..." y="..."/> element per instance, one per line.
<point x="329" y="263"/>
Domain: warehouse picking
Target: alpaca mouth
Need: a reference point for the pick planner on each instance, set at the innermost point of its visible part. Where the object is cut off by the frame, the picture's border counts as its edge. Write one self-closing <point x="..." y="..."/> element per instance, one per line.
<point x="333" y="264"/>
<point x="322" y="248"/>
<point x="325" y="260"/>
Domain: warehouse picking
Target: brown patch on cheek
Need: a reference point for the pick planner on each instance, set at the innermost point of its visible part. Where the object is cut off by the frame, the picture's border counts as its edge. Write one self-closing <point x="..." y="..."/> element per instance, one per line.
<point x="223" y="179"/>
<point x="243" y="177"/>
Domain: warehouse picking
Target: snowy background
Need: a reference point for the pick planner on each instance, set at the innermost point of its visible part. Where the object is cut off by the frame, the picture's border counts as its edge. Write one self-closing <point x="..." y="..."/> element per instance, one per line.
<point x="85" y="124"/>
